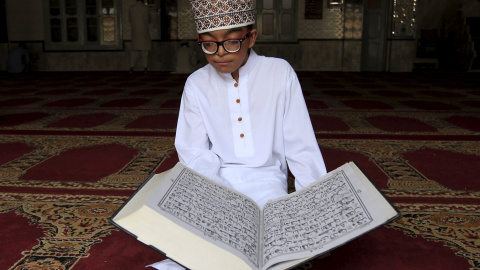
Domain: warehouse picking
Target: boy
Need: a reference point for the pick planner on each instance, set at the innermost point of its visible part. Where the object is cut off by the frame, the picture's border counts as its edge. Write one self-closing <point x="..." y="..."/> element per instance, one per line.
<point x="243" y="117"/>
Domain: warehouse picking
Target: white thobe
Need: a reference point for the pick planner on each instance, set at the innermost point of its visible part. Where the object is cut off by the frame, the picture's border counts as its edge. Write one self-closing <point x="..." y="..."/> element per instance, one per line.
<point x="245" y="134"/>
<point x="17" y="60"/>
<point x="140" y="18"/>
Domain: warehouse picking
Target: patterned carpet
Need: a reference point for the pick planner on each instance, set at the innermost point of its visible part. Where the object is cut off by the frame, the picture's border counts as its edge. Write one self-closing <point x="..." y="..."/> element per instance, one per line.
<point x="74" y="146"/>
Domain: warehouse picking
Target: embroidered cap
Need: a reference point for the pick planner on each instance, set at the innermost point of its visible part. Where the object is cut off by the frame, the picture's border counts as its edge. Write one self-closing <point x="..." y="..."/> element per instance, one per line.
<point x="211" y="15"/>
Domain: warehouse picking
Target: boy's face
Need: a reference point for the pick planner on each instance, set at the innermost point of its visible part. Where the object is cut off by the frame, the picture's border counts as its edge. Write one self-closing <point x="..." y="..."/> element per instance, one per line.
<point x="224" y="61"/>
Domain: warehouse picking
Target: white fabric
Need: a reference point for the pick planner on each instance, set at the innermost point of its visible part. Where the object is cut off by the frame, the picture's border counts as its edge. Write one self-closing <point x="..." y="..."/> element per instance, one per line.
<point x="140" y="18"/>
<point x="186" y="60"/>
<point x="166" y="264"/>
<point x="17" y="60"/>
<point x="139" y="55"/>
<point x="275" y="123"/>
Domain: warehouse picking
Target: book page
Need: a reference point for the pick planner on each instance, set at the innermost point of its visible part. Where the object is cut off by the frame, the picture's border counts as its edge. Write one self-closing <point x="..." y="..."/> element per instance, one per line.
<point x="317" y="218"/>
<point x="217" y="213"/>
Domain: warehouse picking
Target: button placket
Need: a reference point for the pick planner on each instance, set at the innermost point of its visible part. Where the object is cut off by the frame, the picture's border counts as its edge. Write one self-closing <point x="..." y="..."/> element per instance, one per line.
<point x="240" y="119"/>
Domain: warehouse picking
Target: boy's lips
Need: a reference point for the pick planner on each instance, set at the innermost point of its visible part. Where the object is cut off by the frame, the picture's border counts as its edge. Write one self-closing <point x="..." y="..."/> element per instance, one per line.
<point x="222" y="62"/>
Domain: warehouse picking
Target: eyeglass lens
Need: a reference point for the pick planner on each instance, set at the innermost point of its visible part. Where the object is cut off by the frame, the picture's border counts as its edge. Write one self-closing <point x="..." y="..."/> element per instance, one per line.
<point x="230" y="46"/>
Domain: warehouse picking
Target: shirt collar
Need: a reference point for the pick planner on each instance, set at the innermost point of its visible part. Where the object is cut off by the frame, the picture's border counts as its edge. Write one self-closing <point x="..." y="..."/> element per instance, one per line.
<point x="251" y="61"/>
<point x="245" y="69"/>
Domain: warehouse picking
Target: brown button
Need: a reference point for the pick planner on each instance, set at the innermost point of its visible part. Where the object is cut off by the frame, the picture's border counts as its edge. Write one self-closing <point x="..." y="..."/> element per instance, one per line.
<point x="236" y="85"/>
<point x="242" y="135"/>
<point x="238" y="100"/>
<point x="240" y="119"/>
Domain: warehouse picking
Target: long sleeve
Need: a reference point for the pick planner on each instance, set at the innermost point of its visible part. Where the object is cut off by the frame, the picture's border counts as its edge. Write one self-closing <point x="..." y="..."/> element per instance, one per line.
<point x="303" y="155"/>
<point x="191" y="140"/>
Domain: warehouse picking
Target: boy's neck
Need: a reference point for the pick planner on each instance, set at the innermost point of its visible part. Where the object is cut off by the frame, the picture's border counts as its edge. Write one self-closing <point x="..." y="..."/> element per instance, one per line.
<point x="236" y="75"/>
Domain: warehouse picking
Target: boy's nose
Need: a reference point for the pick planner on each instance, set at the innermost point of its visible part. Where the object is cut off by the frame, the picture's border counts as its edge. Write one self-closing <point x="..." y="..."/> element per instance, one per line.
<point x="221" y="51"/>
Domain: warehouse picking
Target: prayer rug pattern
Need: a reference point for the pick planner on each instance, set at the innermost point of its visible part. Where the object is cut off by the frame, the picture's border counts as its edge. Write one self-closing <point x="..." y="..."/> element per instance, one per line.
<point x="75" y="146"/>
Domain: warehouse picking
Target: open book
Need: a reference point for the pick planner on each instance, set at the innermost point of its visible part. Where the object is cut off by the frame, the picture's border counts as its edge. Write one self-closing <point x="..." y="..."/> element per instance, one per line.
<point x="204" y="225"/>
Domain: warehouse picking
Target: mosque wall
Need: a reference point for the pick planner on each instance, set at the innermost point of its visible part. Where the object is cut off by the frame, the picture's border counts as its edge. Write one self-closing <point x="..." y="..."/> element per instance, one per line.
<point x="332" y="43"/>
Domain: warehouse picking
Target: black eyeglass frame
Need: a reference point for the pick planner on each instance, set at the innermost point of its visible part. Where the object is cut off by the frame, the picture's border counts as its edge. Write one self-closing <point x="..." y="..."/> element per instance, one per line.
<point x="222" y="43"/>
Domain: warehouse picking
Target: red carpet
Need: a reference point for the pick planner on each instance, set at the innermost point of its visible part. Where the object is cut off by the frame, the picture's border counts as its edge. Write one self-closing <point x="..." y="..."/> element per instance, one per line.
<point x="90" y="164"/>
<point x="376" y="249"/>
<point x="74" y="146"/>
<point x="367" y="105"/>
<point x="399" y="124"/>
<point x="12" y="151"/>
<point x="462" y="176"/>
<point x="17" y="234"/>
<point x="18" y="102"/>
<point x="465" y="122"/>
<point x="158" y="121"/>
<point x="430" y="105"/>
<point x="10" y="120"/>
<point x="327" y="123"/>
<point x="67" y="103"/>
<point x="83" y="120"/>
<point x="129" y="103"/>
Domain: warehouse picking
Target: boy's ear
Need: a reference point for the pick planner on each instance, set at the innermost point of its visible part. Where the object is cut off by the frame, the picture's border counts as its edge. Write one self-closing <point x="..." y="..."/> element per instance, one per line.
<point x="253" y="38"/>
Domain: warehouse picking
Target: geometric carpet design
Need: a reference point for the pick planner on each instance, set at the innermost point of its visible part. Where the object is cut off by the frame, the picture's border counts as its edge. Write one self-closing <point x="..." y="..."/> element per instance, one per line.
<point x="75" y="146"/>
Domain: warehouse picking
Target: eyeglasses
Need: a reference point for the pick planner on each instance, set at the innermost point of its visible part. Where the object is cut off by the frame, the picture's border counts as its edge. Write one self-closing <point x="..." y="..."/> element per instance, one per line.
<point x="229" y="45"/>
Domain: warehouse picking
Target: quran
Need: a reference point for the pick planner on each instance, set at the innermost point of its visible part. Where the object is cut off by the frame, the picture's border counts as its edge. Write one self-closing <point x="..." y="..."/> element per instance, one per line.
<point x="202" y="224"/>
